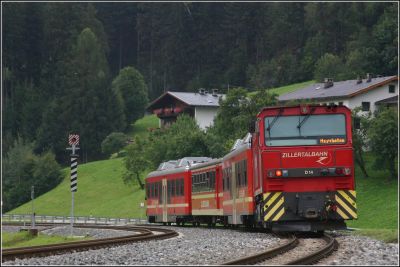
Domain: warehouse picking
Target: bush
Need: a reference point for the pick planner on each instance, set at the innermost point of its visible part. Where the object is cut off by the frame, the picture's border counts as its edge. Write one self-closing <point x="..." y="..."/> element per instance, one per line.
<point x="384" y="140"/>
<point x="330" y="66"/>
<point x="113" y="143"/>
<point x="23" y="169"/>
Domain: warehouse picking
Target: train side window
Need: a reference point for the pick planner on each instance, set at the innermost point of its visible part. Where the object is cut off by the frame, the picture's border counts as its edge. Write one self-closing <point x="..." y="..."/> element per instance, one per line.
<point x="212" y="183"/>
<point x="228" y="180"/>
<point x="245" y="171"/>
<point x="173" y="187"/>
<point x="179" y="190"/>
<point x="238" y="173"/>
<point x="208" y="181"/>
<point x="183" y="186"/>
<point x="223" y="180"/>
<point x="169" y="183"/>
<point x="160" y="192"/>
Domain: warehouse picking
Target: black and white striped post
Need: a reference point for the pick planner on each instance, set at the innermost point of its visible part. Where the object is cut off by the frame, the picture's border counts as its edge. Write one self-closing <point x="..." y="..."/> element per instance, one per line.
<point x="73" y="141"/>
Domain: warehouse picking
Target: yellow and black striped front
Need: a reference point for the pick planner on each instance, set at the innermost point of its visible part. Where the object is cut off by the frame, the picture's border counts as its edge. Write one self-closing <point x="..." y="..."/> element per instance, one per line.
<point x="273" y="206"/>
<point x="346" y="204"/>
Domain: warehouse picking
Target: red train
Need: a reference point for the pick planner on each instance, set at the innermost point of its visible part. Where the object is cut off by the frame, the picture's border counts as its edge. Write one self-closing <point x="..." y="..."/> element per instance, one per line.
<point x="294" y="171"/>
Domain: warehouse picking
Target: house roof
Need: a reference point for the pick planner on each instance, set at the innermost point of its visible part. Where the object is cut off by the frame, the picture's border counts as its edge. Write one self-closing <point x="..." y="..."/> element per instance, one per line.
<point x="192" y="99"/>
<point x="389" y="100"/>
<point x="342" y="89"/>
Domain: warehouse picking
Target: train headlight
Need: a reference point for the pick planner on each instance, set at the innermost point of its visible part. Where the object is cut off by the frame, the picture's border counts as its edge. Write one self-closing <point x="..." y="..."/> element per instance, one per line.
<point x="278" y="173"/>
<point x="347" y="171"/>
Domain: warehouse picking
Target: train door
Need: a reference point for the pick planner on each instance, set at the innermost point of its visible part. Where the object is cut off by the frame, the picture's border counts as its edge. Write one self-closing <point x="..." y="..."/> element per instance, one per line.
<point x="233" y="194"/>
<point x="164" y="200"/>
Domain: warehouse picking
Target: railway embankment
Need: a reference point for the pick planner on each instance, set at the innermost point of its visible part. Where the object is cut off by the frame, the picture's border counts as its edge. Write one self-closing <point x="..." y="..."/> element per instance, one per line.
<point x="204" y="246"/>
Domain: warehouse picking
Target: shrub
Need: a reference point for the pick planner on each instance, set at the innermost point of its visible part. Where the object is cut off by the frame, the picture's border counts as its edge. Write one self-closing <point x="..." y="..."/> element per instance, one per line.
<point x="113" y="143"/>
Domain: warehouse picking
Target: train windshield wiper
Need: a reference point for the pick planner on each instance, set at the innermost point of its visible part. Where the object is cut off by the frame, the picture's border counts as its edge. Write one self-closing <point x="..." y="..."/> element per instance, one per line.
<point x="305" y="118"/>
<point x="274" y="120"/>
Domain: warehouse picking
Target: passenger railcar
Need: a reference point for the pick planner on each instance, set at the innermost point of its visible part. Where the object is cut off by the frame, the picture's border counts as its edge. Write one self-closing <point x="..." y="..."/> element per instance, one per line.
<point x="168" y="191"/>
<point x="238" y="200"/>
<point x="207" y="192"/>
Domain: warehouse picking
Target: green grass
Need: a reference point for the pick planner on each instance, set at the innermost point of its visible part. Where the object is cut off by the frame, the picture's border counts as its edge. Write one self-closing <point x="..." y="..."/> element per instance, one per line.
<point x="386" y="235"/>
<point x="140" y="127"/>
<point x="101" y="192"/>
<point x="288" y="88"/>
<point x="24" y="239"/>
<point x="377" y="199"/>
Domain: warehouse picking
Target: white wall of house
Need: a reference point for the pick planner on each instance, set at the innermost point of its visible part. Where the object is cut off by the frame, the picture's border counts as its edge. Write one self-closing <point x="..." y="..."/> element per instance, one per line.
<point x="371" y="96"/>
<point x="205" y="116"/>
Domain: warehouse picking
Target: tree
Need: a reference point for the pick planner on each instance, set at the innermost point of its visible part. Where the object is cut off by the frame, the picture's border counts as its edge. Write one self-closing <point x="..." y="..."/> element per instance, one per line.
<point x="329" y="66"/>
<point x="22" y="169"/>
<point x="361" y="124"/>
<point x="135" y="161"/>
<point x="384" y="140"/>
<point x="113" y="143"/>
<point x="129" y="85"/>
<point x="88" y="108"/>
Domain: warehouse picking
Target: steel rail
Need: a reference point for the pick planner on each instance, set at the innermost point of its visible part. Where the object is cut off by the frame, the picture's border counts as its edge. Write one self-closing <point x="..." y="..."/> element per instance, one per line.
<point x="145" y="233"/>
<point x="331" y="245"/>
<point x="293" y="242"/>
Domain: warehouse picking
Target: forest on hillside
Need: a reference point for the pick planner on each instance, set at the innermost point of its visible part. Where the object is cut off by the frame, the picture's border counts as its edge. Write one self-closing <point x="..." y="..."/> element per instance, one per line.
<point x="60" y="60"/>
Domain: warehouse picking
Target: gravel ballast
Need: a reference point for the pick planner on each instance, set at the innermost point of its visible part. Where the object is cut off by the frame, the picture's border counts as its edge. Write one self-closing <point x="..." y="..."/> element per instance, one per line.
<point x="194" y="246"/>
<point x="203" y="246"/>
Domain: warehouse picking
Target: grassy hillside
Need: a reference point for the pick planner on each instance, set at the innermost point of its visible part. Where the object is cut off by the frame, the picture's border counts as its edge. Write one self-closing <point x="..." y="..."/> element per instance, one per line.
<point x="101" y="192"/>
<point x="140" y="127"/>
<point x="288" y="88"/>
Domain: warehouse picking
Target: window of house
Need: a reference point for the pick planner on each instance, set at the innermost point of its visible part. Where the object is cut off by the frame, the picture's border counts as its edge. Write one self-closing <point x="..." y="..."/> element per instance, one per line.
<point x="391" y="88"/>
<point x="357" y="123"/>
<point x="340" y="103"/>
<point x="365" y="106"/>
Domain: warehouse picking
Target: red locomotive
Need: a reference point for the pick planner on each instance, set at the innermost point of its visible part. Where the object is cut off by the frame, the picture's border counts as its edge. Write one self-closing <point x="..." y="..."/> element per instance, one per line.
<point x="293" y="172"/>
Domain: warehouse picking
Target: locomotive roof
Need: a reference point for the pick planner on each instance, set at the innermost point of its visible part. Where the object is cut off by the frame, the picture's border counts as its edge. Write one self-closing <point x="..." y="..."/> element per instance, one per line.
<point x="298" y="106"/>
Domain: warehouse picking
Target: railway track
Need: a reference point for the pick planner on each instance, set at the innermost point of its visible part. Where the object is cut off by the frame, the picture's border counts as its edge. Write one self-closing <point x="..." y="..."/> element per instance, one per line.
<point x="293" y="242"/>
<point x="144" y="233"/>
